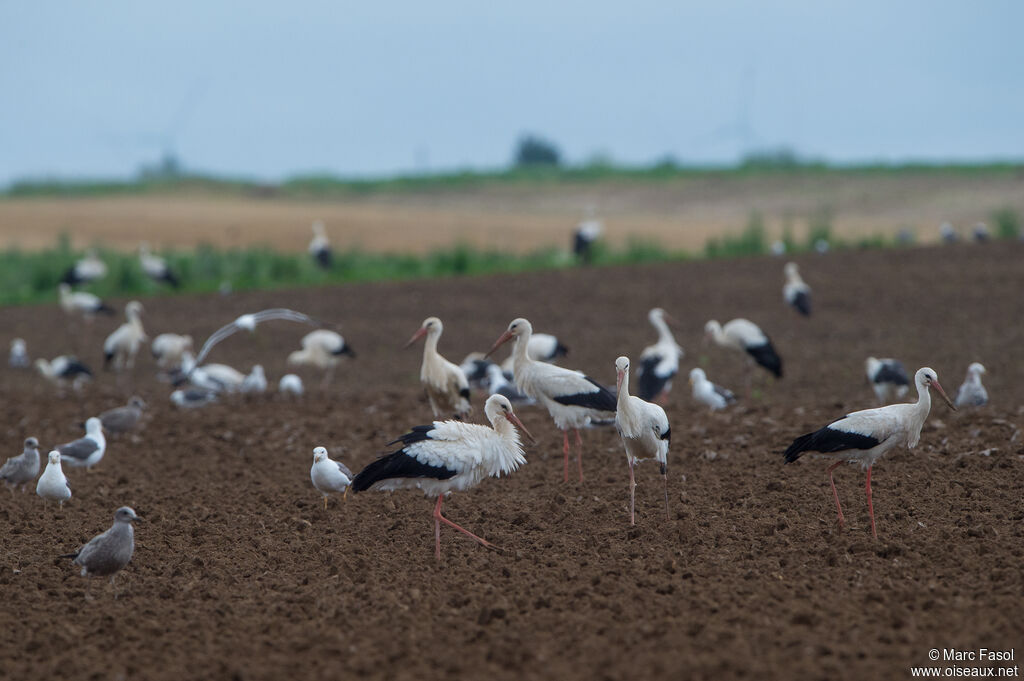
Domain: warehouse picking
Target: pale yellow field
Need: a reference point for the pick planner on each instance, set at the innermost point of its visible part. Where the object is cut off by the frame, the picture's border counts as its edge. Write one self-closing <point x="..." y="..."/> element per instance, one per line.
<point x="680" y="213"/>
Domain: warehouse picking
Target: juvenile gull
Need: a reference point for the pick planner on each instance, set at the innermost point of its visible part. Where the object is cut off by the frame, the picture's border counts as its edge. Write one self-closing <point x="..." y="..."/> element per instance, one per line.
<point x="123" y="419"/>
<point x="22" y="469"/>
<point x="193" y="398"/>
<point x="86" y="451"/>
<point x="106" y="553"/>
<point x="972" y="393"/>
<point x="329" y="476"/>
<point x="53" y="485"/>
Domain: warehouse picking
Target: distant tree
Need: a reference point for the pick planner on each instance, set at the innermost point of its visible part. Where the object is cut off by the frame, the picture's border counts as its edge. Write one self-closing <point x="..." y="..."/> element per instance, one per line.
<point x="533" y="151"/>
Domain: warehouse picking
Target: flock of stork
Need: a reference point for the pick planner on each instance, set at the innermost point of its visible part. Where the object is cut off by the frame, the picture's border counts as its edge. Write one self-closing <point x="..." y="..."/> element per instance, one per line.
<point x="454" y="455"/>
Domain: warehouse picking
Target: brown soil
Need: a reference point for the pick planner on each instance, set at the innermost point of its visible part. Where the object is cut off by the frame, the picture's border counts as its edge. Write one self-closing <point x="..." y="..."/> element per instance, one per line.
<point x="240" y="573"/>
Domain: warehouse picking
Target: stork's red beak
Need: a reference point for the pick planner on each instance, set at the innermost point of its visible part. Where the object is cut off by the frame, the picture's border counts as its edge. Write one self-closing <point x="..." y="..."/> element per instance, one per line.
<point x="515" y="419"/>
<point x="938" y="388"/>
<point x="504" y="338"/>
<point x="420" y="333"/>
<point x="619" y="375"/>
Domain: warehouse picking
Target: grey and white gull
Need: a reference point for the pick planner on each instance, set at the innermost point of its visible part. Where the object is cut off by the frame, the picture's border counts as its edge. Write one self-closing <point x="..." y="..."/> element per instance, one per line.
<point x="22" y="469"/>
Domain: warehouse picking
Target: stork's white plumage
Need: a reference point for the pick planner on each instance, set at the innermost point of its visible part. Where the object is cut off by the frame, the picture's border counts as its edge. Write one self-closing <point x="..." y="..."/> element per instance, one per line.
<point x="155" y="267"/>
<point x="496" y="383"/>
<point x="746" y="336"/>
<point x="64" y="368"/>
<point x="319" y="246"/>
<point x="704" y="391"/>
<point x="659" y="363"/>
<point x="322" y="349"/>
<point x="328" y="475"/>
<point x="864" y="436"/>
<point x="122" y="345"/>
<point x="449" y="456"/>
<point x="81" y="302"/>
<point x="644" y="430"/>
<point x="888" y="378"/>
<point x="795" y="291"/>
<point x="572" y="399"/>
<point x="972" y="393"/>
<point x="248" y="322"/>
<point x="169" y="348"/>
<point x="446" y="385"/>
<point x="542" y="347"/>
<point x="583" y="238"/>
<point x="88" y="269"/>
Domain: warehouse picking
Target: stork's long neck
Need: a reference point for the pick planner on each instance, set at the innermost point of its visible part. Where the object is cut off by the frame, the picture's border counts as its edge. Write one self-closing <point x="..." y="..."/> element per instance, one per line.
<point x="520" y="356"/>
<point x="622" y="401"/>
<point x="664" y="333"/>
<point x="430" y="346"/>
<point x="923" y="405"/>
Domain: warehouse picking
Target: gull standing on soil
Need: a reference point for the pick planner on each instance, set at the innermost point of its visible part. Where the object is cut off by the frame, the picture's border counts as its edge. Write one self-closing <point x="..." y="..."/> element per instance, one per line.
<point x="123" y="419"/>
<point x="320" y="247"/>
<point x="290" y="384"/>
<point x="572" y="399"/>
<point x="948" y="233"/>
<point x="122" y="345"/>
<point x="18" y="359"/>
<point x="53" y="485"/>
<point x="248" y="322"/>
<point x="81" y="302"/>
<point x="704" y="391"/>
<point x="63" y="368"/>
<point x="795" y="291"/>
<point x="156" y="268"/>
<point x="328" y="475"/>
<point x="446" y="386"/>
<point x="644" y="430"/>
<point x="85" y="451"/>
<point x="193" y="398"/>
<point x="108" y="552"/>
<point x="322" y="349"/>
<point x="88" y="269"/>
<point x="972" y="393"/>
<point x="659" y="363"/>
<point x="745" y="336"/>
<point x="168" y="349"/>
<point x="888" y="378"/>
<point x="449" y="456"/>
<point x="22" y="469"/>
<point x="864" y="436"/>
<point x="256" y="381"/>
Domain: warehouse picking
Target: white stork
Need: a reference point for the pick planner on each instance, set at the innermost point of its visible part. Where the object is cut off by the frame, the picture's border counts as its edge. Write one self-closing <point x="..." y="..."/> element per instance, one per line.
<point x="169" y="348"/>
<point x="659" y="363"/>
<point x="449" y="456"/>
<point x="583" y="238"/>
<point x="704" y="391"/>
<point x="864" y="436"/>
<point x="446" y="385"/>
<point x="745" y="336"/>
<point x="319" y="246"/>
<point x="888" y="378"/>
<point x="328" y="475"/>
<point x="322" y="349"/>
<point x="156" y="268"/>
<point x="572" y="399"/>
<point x="85" y="451"/>
<point x="81" y="302"/>
<point x="122" y="345"/>
<point x="795" y="291"/>
<point x="644" y="430"/>
<point x="972" y="393"/>
<point x="88" y="269"/>
<point x="63" y="368"/>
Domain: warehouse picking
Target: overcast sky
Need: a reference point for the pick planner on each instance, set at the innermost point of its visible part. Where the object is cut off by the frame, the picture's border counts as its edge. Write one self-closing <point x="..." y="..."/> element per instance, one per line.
<point x="271" y="89"/>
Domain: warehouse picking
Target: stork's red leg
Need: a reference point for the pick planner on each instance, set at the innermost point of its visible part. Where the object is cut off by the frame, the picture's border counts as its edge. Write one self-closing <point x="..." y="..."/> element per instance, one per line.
<point x="834" y="493"/>
<point x="565" y="452"/>
<point x="437" y="527"/>
<point x="871" y="510"/>
<point x="579" y="452"/>
<point x="438" y="517"/>
<point x="632" y="491"/>
<point x="664" y="477"/>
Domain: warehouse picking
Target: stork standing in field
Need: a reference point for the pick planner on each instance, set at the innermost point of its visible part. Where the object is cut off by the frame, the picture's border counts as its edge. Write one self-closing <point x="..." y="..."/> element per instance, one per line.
<point x="156" y="268"/>
<point x="22" y="469"/>
<point x="644" y="430"/>
<point x="972" y="393"/>
<point x="328" y="475"/>
<point x="584" y="237"/>
<point x="450" y="456"/>
<point x="572" y="399"/>
<point x="888" y="378"/>
<point x="169" y="348"/>
<point x="322" y="349"/>
<point x="704" y="391"/>
<point x="319" y="246"/>
<point x="864" y="436"/>
<point x="85" y="451"/>
<point x="64" y="368"/>
<point x="659" y="363"/>
<point x="795" y="291"/>
<point x="88" y="269"/>
<point x="446" y="385"/>
<point x="81" y="302"/>
<point x="122" y="345"/>
<point x="248" y="322"/>
<point x="745" y="336"/>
